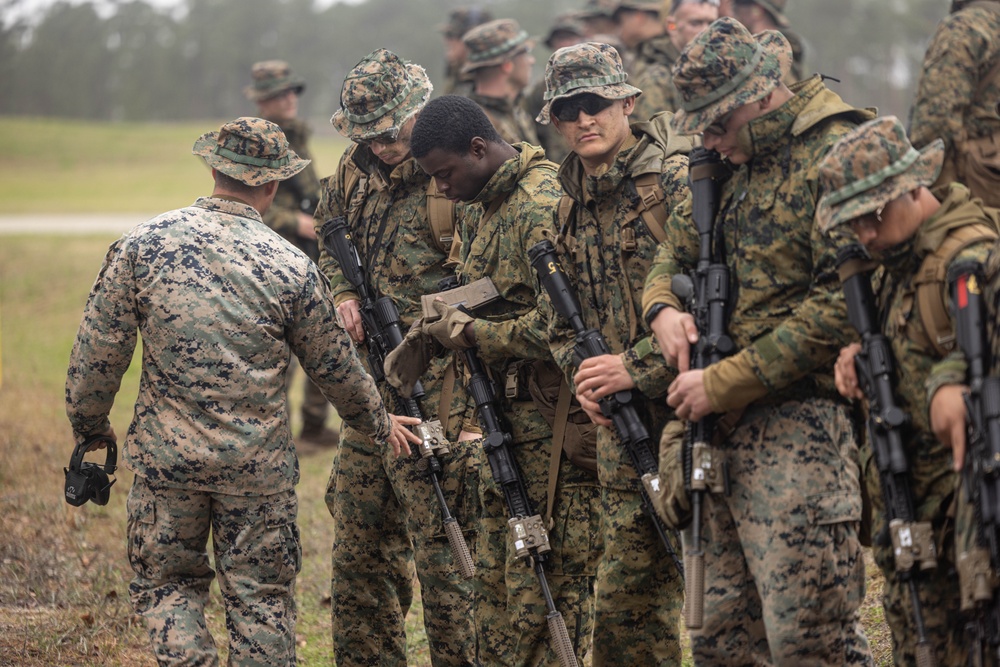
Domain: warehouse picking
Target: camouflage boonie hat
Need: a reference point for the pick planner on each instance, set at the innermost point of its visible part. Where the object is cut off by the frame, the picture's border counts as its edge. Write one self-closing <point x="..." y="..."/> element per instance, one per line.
<point x="380" y="94"/>
<point x="871" y="166"/>
<point x="565" y="24"/>
<point x="725" y="68"/>
<point x="590" y="67"/>
<point x="271" y="78"/>
<point x="464" y="19"/>
<point x="254" y="151"/>
<point x="494" y="43"/>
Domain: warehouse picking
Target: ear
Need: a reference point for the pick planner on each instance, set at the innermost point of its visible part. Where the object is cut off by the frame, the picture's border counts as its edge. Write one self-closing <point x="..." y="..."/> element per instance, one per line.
<point x="628" y="105"/>
<point x="478" y="148"/>
<point x="271" y="187"/>
<point x="507" y="66"/>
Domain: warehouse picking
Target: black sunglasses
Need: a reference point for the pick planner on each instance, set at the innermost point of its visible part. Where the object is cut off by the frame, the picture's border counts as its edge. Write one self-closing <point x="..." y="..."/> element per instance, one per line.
<point x="389" y="137"/>
<point x="568" y="110"/>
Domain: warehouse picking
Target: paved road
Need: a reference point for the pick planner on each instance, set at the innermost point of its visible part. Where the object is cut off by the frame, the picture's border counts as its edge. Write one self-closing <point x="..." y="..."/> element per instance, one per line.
<point x="70" y="223"/>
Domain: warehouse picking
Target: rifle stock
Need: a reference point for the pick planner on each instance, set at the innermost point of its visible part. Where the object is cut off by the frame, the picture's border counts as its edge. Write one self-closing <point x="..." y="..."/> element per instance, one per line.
<point x="619" y="407"/>
<point x="912" y="541"/>
<point x="383" y="333"/>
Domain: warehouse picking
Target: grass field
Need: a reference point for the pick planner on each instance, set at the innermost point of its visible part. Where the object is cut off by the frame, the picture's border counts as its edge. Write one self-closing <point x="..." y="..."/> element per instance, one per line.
<point x="63" y="571"/>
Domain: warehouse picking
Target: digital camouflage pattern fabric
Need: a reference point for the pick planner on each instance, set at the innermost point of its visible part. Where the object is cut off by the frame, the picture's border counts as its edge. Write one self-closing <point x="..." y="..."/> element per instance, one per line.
<point x="220" y="302"/>
<point x="300" y="193"/>
<point x="379" y="94"/>
<point x="271" y="78"/>
<point x="251" y="150"/>
<point x="510" y="334"/>
<point x="788" y="323"/>
<point x="726" y="57"/>
<point x="863" y="171"/>
<point x="494" y="43"/>
<point x="639" y="593"/>
<point x="957" y="98"/>
<point x="191" y="261"/>
<point x="591" y="67"/>
<point x="383" y="508"/>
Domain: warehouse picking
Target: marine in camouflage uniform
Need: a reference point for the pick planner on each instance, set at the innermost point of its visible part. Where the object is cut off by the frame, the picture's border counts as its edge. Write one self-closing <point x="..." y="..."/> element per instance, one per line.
<point x="875" y="181"/>
<point x="513" y="194"/>
<point x="220" y="302"/>
<point x="784" y="573"/>
<point x="958" y="95"/>
<point x="460" y="21"/>
<point x="500" y="64"/>
<point x="276" y="89"/>
<point x="653" y="70"/>
<point x="607" y="250"/>
<point x="386" y="516"/>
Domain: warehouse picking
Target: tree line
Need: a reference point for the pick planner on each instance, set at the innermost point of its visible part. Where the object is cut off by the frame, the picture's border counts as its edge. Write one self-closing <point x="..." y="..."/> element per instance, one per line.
<point x="139" y="62"/>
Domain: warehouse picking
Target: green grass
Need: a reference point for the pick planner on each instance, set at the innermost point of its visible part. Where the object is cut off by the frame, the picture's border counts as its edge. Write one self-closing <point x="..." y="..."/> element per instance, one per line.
<point x="64" y="166"/>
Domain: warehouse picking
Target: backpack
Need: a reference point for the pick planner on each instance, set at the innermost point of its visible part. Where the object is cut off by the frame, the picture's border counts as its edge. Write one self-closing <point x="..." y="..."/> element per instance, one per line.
<point x="440" y="210"/>
<point x="930" y="283"/>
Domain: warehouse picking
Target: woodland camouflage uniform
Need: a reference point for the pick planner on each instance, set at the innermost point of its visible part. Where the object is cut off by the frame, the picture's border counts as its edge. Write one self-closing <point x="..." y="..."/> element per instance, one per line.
<point x="220" y="302"/>
<point x="386" y="516"/>
<point x="958" y="95"/>
<point x="792" y="516"/>
<point x="460" y="21"/>
<point x="862" y="156"/>
<point x="510" y="609"/>
<point x="639" y="592"/>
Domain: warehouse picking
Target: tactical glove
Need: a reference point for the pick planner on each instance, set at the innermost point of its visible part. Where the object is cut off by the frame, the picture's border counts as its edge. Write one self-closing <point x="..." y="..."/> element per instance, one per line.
<point x="448" y="328"/>
<point x="410" y="360"/>
<point x="671" y="500"/>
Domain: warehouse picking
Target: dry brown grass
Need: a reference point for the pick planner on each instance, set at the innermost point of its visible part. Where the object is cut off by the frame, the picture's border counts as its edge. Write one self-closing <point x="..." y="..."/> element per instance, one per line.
<point x="63" y="571"/>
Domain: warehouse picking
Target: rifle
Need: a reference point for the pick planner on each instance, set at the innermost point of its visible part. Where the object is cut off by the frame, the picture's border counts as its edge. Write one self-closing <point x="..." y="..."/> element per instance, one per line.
<point x="308" y="206"/>
<point x="981" y="470"/>
<point x="528" y="532"/>
<point x="706" y="296"/>
<point x="912" y="541"/>
<point x="383" y="333"/>
<point x="619" y="407"/>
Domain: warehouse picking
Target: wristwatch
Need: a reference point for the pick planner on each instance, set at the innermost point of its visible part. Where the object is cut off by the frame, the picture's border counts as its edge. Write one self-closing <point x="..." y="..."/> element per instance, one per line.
<point x="655" y="310"/>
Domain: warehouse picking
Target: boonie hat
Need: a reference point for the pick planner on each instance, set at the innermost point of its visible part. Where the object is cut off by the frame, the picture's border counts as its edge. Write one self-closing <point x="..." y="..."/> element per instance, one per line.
<point x="379" y="94"/>
<point x="871" y="166"/>
<point x="254" y="151"/>
<point x="724" y="68"/>
<point x="598" y="8"/>
<point x="589" y="67"/>
<point x="463" y="19"/>
<point x="494" y="43"/>
<point x="271" y="78"/>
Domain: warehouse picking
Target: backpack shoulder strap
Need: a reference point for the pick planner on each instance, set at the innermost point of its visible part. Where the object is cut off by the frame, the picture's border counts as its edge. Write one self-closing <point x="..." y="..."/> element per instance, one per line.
<point x="651" y="208"/>
<point x="930" y="284"/>
<point x="441" y="216"/>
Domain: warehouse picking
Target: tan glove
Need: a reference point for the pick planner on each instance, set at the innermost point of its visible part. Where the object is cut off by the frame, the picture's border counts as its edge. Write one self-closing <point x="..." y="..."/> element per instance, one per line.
<point x="410" y="360"/>
<point x="670" y="498"/>
<point x="449" y="327"/>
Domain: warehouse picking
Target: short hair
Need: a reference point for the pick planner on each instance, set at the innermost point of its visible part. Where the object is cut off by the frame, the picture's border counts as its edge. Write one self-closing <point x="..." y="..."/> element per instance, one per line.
<point x="230" y="184"/>
<point x="450" y="122"/>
